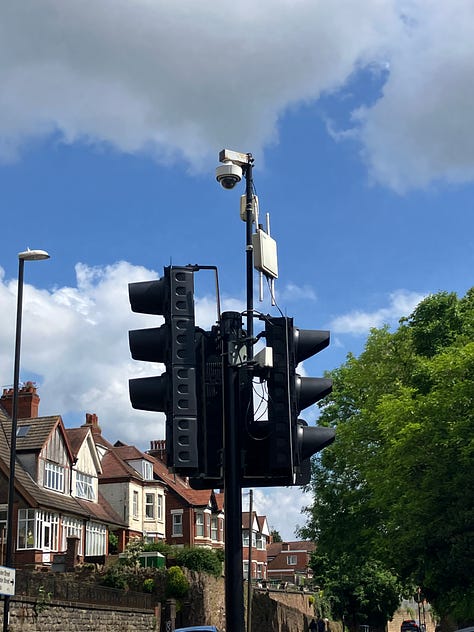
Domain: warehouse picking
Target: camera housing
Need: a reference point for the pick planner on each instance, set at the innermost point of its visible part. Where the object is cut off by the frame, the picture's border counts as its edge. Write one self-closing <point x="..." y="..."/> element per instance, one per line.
<point x="228" y="174"/>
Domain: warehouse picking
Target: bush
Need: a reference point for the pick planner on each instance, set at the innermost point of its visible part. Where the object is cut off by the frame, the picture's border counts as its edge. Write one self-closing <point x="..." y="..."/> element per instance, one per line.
<point x="177" y="585"/>
<point x="199" y="559"/>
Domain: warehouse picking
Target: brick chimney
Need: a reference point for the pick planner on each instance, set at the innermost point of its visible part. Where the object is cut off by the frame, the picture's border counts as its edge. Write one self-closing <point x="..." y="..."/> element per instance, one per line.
<point x="28" y="401"/>
<point x="92" y="422"/>
<point x="158" y="450"/>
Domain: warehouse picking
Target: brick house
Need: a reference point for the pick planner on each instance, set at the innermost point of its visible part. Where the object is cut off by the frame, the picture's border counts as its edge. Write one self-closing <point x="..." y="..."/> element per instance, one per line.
<point x="289" y="562"/>
<point x="129" y="484"/>
<point x="57" y="495"/>
<point x="193" y="517"/>
<point x="255" y="530"/>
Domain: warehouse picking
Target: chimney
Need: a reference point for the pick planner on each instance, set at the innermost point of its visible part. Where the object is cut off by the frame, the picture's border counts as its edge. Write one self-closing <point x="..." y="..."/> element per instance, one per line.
<point x="92" y="422"/>
<point x="28" y="401"/>
<point x="158" y="450"/>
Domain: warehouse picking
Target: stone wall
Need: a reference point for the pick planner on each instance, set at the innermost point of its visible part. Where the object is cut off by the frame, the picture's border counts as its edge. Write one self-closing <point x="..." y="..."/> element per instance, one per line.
<point x="49" y="606"/>
<point x="28" y="616"/>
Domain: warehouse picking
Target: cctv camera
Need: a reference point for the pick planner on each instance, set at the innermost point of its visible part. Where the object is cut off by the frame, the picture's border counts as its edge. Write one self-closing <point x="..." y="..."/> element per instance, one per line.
<point x="228" y="174"/>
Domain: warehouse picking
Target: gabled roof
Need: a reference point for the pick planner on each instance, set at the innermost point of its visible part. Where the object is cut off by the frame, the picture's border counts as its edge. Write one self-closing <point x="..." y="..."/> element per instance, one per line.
<point x="181" y="487"/>
<point x="275" y="548"/>
<point x="115" y="462"/>
<point x="37" y="496"/>
<point x="38" y="431"/>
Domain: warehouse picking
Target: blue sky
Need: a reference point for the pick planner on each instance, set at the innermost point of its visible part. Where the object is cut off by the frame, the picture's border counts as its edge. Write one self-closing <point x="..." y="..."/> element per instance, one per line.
<point x="112" y="115"/>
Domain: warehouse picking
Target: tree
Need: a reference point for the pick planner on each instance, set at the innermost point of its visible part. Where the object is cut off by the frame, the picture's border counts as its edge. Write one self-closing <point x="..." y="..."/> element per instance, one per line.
<point x="276" y="537"/>
<point x="396" y="489"/>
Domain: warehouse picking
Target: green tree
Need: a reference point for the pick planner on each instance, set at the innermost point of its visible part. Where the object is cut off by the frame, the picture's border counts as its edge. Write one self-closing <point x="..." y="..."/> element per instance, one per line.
<point x="395" y="491"/>
<point x="276" y="537"/>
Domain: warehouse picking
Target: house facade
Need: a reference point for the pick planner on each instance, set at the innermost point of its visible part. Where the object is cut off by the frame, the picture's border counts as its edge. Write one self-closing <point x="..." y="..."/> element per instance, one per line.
<point x="128" y="482"/>
<point x="289" y="562"/>
<point x="193" y="517"/>
<point x="255" y="538"/>
<point x="57" y="498"/>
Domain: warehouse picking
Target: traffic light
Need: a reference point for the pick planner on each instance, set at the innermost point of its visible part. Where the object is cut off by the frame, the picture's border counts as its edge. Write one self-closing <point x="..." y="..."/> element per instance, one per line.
<point x="173" y="344"/>
<point x="292" y="441"/>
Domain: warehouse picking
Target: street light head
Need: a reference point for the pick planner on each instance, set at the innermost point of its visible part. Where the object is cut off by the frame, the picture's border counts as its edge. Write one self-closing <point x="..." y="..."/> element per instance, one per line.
<point x="33" y="255"/>
<point x="228" y="174"/>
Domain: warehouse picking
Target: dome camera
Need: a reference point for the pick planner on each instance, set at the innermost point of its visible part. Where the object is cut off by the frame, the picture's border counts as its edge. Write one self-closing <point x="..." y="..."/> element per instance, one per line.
<point x="228" y="174"/>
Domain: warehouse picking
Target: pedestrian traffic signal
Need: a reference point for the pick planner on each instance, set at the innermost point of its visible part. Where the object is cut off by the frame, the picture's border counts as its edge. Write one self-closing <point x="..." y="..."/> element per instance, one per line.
<point x="173" y="344"/>
<point x="292" y="441"/>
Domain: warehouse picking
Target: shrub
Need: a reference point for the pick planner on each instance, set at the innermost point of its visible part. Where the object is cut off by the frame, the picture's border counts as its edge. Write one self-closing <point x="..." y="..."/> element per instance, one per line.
<point x="199" y="559"/>
<point x="177" y="585"/>
<point x="149" y="585"/>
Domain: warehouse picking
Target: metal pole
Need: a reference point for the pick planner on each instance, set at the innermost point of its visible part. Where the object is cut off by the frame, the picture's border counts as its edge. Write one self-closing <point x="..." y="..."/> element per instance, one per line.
<point x="231" y="325"/>
<point x="11" y="482"/>
<point x="249" y="251"/>
<point x="249" y="577"/>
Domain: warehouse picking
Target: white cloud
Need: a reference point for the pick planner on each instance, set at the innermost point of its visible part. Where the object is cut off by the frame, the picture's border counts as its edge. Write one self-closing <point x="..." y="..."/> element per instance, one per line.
<point x="282" y="507"/>
<point x="419" y="130"/>
<point x="401" y="303"/>
<point x="185" y="79"/>
<point x="63" y="329"/>
<point x="174" y="79"/>
<point x="294" y="292"/>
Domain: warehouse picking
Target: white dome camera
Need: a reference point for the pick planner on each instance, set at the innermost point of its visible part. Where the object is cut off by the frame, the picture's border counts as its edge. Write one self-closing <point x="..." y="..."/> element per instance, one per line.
<point x="228" y="174"/>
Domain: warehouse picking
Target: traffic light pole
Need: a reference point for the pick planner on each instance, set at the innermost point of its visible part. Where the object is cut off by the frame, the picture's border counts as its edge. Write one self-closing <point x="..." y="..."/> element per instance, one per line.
<point x="249" y="253"/>
<point x="231" y="326"/>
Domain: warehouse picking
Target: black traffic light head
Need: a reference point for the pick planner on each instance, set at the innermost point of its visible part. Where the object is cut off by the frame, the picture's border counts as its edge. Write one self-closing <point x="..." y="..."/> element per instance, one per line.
<point x="292" y="443"/>
<point x="173" y="344"/>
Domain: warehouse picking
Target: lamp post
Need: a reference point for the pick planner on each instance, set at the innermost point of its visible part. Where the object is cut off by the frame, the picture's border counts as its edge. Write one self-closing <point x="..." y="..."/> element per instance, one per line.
<point x="27" y="255"/>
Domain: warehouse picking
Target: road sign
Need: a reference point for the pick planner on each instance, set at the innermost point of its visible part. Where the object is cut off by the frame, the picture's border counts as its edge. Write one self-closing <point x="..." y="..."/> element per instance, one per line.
<point x="7" y="581"/>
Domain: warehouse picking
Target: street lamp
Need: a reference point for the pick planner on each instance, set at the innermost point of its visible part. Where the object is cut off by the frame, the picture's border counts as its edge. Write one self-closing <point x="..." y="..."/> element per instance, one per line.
<point x="27" y="255"/>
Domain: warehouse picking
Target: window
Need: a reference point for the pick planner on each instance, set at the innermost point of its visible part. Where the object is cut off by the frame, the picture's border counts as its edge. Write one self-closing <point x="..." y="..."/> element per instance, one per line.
<point x="135" y="505"/>
<point x="291" y="560"/>
<point x="22" y="431"/>
<point x="214" y="528"/>
<point x="54" y="476"/>
<point x="96" y="537"/>
<point x="245" y="538"/>
<point x="3" y="523"/>
<point x="26" y="528"/>
<point x="159" y="514"/>
<point x="147" y="470"/>
<point x="38" y="530"/>
<point x="85" y="486"/>
<point x="150" y="506"/>
<point x="72" y="527"/>
<point x="199" y="524"/>
<point x="260" y="541"/>
<point x="177" y="524"/>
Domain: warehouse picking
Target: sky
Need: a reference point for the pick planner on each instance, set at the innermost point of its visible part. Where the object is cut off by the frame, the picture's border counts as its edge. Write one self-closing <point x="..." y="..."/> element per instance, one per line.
<point x="359" y="117"/>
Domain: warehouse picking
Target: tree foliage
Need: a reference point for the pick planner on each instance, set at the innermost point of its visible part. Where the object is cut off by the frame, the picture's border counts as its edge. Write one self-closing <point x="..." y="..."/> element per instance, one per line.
<point x="395" y="492"/>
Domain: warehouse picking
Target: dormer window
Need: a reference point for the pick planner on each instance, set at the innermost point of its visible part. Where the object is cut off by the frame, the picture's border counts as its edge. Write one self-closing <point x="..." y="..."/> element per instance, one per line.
<point x="54" y="476"/>
<point x="147" y="470"/>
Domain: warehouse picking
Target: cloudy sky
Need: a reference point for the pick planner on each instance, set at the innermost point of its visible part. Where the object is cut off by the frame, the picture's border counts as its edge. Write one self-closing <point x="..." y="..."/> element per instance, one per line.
<point x="112" y="115"/>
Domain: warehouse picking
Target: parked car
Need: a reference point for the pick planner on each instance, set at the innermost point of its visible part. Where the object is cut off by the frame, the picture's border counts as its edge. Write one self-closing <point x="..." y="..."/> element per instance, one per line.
<point x="409" y="625"/>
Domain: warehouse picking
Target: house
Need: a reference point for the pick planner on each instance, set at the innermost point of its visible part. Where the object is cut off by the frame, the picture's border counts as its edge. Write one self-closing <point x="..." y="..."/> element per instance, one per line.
<point x="255" y="531"/>
<point x="57" y="498"/>
<point x="289" y="562"/>
<point x="193" y="517"/>
<point x="128" y="482"/>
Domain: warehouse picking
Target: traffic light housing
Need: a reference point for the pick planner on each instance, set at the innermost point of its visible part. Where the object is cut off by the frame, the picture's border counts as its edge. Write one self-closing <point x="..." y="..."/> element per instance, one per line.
<point x="173" y="344"/>
<point x="292" y="441"/>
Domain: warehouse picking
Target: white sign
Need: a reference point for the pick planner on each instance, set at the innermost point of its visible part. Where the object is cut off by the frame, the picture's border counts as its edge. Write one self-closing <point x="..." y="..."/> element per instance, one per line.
<point x="7" y="581"/>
